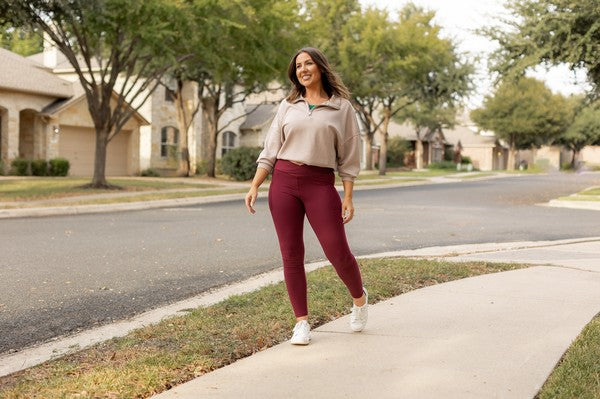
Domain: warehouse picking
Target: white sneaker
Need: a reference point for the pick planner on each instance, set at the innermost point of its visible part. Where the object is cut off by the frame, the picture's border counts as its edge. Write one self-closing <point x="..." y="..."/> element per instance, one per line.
<point x="358" y="318"/>
<point x="301" y="333"/>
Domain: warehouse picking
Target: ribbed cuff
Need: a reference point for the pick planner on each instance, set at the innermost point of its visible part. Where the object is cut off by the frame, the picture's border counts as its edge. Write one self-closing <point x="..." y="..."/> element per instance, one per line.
<point x="266" y="166"/>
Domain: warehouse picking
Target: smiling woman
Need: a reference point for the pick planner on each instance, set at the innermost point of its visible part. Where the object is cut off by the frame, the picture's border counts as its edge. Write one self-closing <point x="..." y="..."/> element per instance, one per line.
<point x="314" y="132"/>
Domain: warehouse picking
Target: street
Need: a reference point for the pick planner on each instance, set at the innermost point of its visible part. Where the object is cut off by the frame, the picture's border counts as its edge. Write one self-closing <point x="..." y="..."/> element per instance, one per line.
<point x="59" y="275"/>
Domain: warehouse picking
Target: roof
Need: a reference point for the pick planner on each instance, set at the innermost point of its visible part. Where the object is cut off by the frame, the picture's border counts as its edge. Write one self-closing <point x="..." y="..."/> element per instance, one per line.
<point x="468" y="137"/>
<point x="21" y="74"/>
<point x="62" y="63"/>
<point x="258" y="116"/>
<point x="79" y="95"/>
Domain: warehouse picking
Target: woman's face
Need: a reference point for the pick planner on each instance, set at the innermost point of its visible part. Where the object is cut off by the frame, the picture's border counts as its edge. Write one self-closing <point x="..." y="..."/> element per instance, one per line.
<point x="307" y="71"/>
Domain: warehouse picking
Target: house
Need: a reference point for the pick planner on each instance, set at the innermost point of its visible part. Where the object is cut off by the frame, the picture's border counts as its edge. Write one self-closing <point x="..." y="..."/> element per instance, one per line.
<point x="43" y="116"/>
<point x="484" y="149"/>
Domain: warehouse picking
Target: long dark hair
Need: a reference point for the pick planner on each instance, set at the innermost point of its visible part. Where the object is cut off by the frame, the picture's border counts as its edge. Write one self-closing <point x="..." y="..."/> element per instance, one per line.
<point x="332" y="83"/>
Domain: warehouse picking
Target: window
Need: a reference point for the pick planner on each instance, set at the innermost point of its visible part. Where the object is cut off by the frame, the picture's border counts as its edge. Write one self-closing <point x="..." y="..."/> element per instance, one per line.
<point x="169" y="140"/>
<point x="169" y="95"/>
<point x="228" y="142"/>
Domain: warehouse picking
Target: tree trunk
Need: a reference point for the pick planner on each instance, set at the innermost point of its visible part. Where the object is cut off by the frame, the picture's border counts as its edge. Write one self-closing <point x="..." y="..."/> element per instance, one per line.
<point x="512" y="152"/>
<point x="574" y="158"/>
<point x="419" y="154"/>
<point x="384" y="139"/>
<point x="209" y="111"/>
<point x="99" y="179"/>
<point x="369" y="151"/>
<point x="182" y="123"/>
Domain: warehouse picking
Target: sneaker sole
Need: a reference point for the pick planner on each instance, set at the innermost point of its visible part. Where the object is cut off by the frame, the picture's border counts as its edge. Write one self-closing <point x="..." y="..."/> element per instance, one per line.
<point x="300" y="342"/>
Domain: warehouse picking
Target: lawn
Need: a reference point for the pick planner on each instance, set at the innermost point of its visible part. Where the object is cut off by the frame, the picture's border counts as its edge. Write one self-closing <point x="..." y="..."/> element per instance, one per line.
<point x="578" y="373"/>
<point x="32" y="189"/>
<point x="154" y="358"/>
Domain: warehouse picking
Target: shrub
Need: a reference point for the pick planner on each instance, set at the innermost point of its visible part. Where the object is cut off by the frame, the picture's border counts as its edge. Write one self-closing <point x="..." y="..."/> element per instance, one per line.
<point x="39" y="167"/>
<point x="396" y="148"/>
<point x="20" y="167"/>
<point x="465" y="159"/>
<point x="150" y="172"/>
<point x="1" y="168"/>
<point x="59" y="167"/>
<point x="442" y="165"/>
<point x="201" y="167"/>
<point x="240" y="162"/>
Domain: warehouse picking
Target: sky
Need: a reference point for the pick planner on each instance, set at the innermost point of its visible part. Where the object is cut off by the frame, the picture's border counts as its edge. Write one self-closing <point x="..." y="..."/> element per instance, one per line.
<point x="460" y="18"/>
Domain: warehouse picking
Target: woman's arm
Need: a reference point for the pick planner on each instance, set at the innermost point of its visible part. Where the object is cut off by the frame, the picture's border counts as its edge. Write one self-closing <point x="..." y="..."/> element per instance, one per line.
<point x="259" y="178"/>
<point x="347" y="205"/>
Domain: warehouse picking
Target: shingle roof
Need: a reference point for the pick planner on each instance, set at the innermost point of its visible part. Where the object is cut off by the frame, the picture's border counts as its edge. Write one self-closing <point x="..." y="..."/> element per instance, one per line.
<point x="468" y="137"/>
<point x="20" y="74"/>
<point x="260" y="115"/>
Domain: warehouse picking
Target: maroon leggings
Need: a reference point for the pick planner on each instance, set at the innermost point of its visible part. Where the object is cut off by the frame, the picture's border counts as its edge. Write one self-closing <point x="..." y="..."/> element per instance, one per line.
<point x="303" y="189"/>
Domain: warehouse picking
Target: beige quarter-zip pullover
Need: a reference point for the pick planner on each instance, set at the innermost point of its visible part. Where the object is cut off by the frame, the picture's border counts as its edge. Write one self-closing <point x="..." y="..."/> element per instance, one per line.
<point x="325" y="136"/>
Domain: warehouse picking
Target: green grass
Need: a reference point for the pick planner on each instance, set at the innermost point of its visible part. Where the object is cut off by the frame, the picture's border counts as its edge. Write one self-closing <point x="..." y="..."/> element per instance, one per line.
<point x="590" y="194"/>
<point x="154" y="358"/>
<point x="578" y="373"/>
<point x="134" y="198"/>
<point x="591" y="191"/>
<point x="52" y="188"/>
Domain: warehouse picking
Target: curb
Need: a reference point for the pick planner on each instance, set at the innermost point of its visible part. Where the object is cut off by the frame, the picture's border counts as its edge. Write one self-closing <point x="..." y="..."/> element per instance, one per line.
<point x="61" y="346"/>
<point x="153" y="204"/>
<point x="588" y="205"/>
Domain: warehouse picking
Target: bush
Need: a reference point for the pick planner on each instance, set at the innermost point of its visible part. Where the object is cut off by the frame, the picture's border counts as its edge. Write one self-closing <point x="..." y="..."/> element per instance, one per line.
<point x="240" y="162"/>
<point x="396" y="148"/>
<point x="150" y="172"/>
<point x="59" y="167"/>
<point x="20" y="167"/>
<point x="1" y="168"/>
<point x="201" y="167"/>
<point x="442" y="165"/>
<point x="39" y="167"/>
<point x="465" y="159"/>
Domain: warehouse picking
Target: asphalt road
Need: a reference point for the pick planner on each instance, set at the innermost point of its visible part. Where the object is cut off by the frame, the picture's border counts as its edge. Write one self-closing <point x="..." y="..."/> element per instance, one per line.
<point x="59" y="275"/>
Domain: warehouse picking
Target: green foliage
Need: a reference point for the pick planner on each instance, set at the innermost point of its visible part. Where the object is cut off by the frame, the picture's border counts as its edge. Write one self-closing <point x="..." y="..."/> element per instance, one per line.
<point x="240" y="162"/>
<point x="525" y="113"/>
<point x="397" y="147"/>
<point x="549" y="32"/>
<point x="2" y="168"/>
<point x="20" y="167"/>
<point x="201" y="167"/>
<point x="59" y="167"/>
<point x="442" y="165"/>
<point x="23" y="41"/>
<point x="466" y="160"/>
<point x="584" y="131"/>
<point x="150" y="172"/>
<point x="39" y="167"/>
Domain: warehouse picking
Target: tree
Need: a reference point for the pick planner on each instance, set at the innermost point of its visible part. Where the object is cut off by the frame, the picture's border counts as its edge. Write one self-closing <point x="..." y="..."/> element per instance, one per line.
<point x="427" y="117"/>
<point x="22" y="41"/>
<point x="131" y="41"/>
<point x="524" y="114"/>
<point x="550" y="32"/>
<point x="583" y="131"/>
<point x="240" y="55"/>
<point x="391" y="65"/>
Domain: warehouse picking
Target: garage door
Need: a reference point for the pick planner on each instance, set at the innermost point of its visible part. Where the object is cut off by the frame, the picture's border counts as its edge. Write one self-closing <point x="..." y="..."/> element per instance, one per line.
<point x="78" y="146"/>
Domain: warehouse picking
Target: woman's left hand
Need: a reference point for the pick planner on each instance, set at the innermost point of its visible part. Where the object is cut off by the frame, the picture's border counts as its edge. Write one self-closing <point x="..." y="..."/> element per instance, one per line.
<point x="347" y="210"/>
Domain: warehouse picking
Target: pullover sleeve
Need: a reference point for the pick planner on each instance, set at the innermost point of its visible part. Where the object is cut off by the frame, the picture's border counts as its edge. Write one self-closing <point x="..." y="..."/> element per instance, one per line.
<point x="349" y="149"/>
<point x="273" y="141"/>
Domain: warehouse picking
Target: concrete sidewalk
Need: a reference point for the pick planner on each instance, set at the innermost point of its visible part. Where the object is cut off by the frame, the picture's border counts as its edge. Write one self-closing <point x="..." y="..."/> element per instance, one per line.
<point x="492" y="336"/>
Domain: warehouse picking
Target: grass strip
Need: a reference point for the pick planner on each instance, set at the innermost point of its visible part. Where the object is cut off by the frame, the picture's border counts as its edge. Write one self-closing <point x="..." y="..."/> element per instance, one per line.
<point x="155" y="358"/>
<point x="53" y="188"/>
<point x="578" y="373"/>
<point x="591" y="191"/>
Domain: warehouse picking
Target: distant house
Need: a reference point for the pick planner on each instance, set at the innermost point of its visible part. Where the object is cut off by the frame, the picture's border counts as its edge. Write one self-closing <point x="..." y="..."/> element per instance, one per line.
<point x="43" y="116"/>
<point x="255" y="127"/>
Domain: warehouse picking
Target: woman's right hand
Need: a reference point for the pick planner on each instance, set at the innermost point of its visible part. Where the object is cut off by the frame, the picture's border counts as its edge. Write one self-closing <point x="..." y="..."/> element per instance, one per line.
<point x="251" y="199"/>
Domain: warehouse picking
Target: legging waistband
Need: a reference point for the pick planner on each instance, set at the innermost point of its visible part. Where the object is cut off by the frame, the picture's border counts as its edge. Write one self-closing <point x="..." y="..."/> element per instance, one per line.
<point x="289" y="167"/>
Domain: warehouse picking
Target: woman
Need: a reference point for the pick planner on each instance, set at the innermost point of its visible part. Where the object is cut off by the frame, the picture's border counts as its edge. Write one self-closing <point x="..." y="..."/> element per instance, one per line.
<point x="314" y="132"/>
